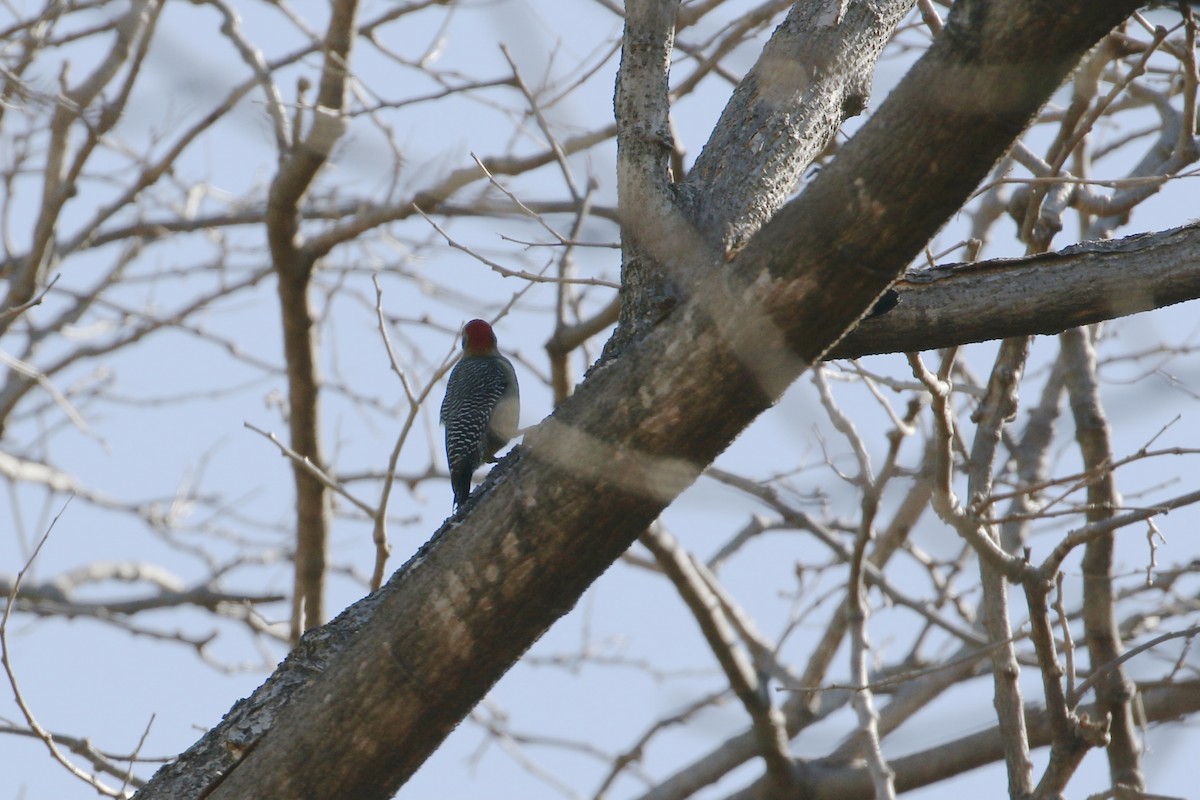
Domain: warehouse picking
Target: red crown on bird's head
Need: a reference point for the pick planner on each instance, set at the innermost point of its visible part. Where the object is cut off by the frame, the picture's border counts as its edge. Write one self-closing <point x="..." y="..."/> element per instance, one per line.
<point x="478" y="337"/>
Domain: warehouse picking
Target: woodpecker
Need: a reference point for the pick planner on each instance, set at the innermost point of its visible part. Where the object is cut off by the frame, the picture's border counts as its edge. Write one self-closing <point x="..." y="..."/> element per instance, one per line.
<point x="481" y="408"/>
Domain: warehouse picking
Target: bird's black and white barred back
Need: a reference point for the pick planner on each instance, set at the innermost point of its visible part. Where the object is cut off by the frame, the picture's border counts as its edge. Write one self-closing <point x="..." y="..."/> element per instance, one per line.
<point x="481" y="409"/>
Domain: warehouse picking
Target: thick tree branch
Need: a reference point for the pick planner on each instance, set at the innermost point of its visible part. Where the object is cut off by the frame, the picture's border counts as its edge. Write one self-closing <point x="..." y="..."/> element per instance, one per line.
<point x="655" y="238"/>
<point x="1080" y="285"/>
<point x="813" y="74"/>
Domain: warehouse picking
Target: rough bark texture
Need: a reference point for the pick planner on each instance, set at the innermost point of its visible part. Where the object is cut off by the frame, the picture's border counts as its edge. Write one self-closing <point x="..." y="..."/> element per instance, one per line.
<point x="589" y="480"/>
<point x="648" y="289"/>
<point x="1081" y="285"/>
<point x="813" y="75"/>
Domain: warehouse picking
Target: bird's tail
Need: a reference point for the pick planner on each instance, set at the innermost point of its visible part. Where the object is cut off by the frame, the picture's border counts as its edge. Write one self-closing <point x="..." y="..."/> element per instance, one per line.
<point x="460" y="481"/>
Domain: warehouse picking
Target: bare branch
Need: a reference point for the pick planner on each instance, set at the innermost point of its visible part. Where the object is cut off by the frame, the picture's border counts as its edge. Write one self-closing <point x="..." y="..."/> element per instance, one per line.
<point x="6" y="660"/>
<point x="767" y="720"/>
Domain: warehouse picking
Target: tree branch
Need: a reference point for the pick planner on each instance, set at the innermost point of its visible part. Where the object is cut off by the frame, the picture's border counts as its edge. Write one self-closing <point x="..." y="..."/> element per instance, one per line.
<point x="822" y="781"/>
<point x="293" y="267"/>
<point x="1114" y="695"/>
<point x="766" y="720"/>
<point x="1086" y="283"/>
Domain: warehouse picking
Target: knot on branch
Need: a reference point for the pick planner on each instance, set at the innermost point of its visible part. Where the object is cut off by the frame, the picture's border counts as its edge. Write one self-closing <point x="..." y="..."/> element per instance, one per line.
<point x="1094" y="733"/>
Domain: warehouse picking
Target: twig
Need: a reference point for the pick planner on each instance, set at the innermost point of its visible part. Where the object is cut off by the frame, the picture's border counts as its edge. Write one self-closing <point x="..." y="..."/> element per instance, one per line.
<point x="506" y="272"/>
<point x="1104" y="669"/>
<point x="28" y="304"/>
<point x="60" y="399"/>
<point x="882" y="776"/>
<point x="415" y="401"/>
<point x="907" y="676"/>
<point x="5" y="658"/>
<point x="312" y="469"/>
<point x="1064" y="623"/>
<point x="535" y="108"/>
<point x="767" y="721"/>
<point x="1097" y="529"/>
<point x="929" y="16"/>
<point x="634" y="753"/>
<point x="1063" y="147"/>
<point x="134" y="755"/>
